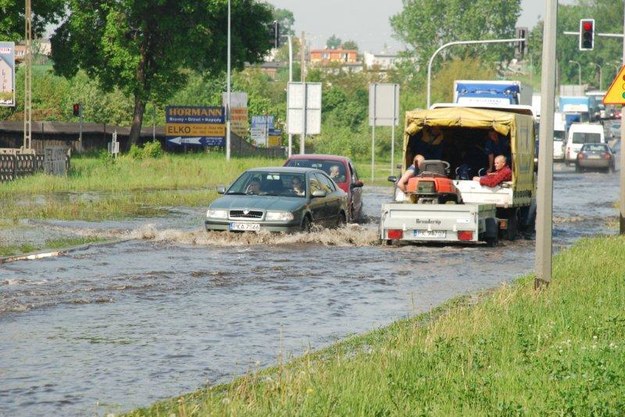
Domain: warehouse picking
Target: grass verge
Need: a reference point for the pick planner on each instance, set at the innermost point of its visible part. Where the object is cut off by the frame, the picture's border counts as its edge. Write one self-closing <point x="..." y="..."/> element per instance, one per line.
<point x="514" y="351"/>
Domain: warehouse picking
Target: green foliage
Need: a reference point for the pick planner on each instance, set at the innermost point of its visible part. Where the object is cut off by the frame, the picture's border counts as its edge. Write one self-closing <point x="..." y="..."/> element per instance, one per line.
<point x="142" y="47"/>
<point x="43" y="12"/>
<point x="333" y="42"/>
<point x="608" y="16"/>
<point x="151" y="149"/>
<point x="425" y="25"/>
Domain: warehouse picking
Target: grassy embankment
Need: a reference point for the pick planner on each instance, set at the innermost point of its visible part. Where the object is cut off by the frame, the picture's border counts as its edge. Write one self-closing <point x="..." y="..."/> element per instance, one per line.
<point x="98" y="188"/>
<point x="513" y="351"/>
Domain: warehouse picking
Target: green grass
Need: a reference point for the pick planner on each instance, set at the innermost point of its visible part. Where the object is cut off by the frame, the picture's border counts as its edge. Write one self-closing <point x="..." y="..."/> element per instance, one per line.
<point x="514" y="351"/>
<point x="60" y="243"/>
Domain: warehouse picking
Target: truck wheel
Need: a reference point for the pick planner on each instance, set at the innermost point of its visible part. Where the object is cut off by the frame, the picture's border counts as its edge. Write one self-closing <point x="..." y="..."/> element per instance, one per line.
<point x="513" y="224"/>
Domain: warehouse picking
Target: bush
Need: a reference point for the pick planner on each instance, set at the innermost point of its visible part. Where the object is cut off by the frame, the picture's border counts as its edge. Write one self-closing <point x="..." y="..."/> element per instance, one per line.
<point x="150" y="149"/>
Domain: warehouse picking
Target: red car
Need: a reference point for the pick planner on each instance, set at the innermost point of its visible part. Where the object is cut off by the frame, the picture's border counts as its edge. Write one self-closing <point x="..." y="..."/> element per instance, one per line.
<point x="342" y="171"/>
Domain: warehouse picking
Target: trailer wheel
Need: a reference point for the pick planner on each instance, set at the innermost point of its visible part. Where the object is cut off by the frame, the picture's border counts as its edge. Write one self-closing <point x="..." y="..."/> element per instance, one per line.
<point x="491" y="235"/>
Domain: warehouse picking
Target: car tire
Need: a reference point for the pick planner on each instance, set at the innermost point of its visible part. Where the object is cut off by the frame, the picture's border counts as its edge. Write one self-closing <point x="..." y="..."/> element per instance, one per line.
<point x="341" y="221"/>
<point x="306" y="224"/>
<point x="578" y="168"/>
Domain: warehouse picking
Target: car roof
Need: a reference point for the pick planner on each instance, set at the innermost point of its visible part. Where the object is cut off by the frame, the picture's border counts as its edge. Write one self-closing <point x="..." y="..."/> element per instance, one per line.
<point x="319" y="156"/>
<point x="285" y="170"/>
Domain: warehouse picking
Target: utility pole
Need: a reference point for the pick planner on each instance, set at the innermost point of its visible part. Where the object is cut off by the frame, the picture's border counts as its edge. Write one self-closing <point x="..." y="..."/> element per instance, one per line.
<point x="28" y="109"/>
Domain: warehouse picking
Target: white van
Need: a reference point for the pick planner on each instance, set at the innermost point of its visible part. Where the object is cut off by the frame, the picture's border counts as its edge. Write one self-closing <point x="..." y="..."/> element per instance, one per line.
<point x="580" y="133"/>
<point x="559" y="136"/>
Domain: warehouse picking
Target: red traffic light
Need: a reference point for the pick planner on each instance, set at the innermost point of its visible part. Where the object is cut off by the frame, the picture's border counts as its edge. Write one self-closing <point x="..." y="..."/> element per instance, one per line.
<point x="586" y="34"/>
<point x="76" y="109"/>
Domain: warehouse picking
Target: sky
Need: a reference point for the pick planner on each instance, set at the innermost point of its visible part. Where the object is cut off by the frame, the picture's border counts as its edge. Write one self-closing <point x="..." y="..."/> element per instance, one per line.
<point x="366" y="21"/>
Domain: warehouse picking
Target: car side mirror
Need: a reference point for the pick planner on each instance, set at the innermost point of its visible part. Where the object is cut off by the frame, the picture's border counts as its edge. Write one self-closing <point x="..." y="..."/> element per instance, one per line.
<point x="392" y="178"/>
<point x="319" y="193"/>
<point x="221" y="189"/>
<point x="357" y="184"/>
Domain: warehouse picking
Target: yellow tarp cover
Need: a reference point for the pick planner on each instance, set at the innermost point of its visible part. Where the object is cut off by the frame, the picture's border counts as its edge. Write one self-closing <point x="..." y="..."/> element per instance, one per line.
<point x="518" y="127"/>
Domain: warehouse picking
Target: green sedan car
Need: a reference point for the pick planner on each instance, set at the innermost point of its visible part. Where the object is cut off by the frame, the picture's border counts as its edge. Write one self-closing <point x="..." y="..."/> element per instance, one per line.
<point x="281" y="199"/>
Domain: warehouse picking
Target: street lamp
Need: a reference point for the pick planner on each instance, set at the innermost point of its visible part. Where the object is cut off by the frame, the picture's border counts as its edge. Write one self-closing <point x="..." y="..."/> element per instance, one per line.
<point x="579" y="71"/>
<point x="600" y="76"/>
<point x="228" y="92"/>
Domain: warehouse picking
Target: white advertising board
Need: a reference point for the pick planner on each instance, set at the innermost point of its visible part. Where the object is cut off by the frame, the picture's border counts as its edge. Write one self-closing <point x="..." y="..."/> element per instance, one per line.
<point x="304" y="100"/>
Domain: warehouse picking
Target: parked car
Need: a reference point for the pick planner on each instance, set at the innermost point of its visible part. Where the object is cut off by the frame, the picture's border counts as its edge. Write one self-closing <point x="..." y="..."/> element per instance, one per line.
<point x="347" y="178"/>
<point x="268" y="199"/>
<point x="580" y="134"/>
<point x="595" y="156"/>
<point x="615" y="130"/>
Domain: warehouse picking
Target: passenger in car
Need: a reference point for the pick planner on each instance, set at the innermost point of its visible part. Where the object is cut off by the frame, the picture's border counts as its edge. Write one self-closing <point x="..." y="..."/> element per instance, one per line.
<point x="297" y="187"/>
<point x="253" y="187"/>
<point x="502" y="173"/>
<point x="335" y="174"/>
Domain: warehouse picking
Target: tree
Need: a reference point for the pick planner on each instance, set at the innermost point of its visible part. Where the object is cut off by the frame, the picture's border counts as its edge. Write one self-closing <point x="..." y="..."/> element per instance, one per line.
<point x="333" y="42"/>
<point x="286" y="20"/>
<point x="425" y="25"/>
<point x="350" y="45"/>
<point x="12" y="22"/>
<point x="142" y="46"/>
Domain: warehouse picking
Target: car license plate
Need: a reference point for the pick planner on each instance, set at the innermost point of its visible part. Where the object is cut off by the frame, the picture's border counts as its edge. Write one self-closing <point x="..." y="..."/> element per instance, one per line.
<point x="431" y="234"/>
<point x="594" y="157"/>
<point x="245" y="227"/>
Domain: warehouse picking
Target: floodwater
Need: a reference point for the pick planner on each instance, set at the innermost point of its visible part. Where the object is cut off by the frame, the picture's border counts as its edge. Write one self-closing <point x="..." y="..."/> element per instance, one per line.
<point x="170" y="307"/>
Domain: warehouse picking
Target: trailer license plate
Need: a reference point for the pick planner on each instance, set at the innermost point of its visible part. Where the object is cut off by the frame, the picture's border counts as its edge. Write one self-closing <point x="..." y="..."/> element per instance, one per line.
<point x="245" y="227"/>
<point x="431" y="234"/>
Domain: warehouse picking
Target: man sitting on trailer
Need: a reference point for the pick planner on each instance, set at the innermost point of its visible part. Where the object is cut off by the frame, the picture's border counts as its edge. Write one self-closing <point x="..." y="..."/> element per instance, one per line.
<point x="502" y="173"/>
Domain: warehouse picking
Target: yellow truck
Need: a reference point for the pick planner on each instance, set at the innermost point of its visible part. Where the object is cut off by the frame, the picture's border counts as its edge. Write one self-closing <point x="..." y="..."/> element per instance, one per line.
<point x="479" y="213"/>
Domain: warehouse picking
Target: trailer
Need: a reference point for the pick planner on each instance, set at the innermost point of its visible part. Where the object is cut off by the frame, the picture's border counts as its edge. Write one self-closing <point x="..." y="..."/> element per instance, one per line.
<point x="448" y="205"/>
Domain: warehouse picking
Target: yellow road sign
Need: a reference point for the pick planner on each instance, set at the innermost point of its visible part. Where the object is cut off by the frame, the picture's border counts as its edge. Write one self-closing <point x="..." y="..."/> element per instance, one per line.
<point x="616" y="92"/>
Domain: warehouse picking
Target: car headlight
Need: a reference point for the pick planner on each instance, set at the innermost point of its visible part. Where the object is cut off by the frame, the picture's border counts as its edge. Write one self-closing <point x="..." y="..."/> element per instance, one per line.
<point x="217" y="213"/>
<point x="284" y="216"/>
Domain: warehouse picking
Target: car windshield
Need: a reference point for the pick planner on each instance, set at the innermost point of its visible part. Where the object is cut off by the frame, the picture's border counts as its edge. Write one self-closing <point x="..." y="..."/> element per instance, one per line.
<point x="284" y="184"/>
<point x="586" y="137"/>
<point x="334" y="168"/>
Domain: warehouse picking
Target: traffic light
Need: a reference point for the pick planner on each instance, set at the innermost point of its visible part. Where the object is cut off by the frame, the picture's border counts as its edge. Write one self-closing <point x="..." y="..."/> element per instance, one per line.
<point x="276" y="34"/>
<point x="76" y="109"/>
<point x="586" y="34"/>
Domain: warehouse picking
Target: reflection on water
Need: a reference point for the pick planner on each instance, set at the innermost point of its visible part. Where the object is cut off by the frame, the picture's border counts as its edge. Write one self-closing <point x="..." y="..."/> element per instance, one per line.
<point x="170" y="307"/>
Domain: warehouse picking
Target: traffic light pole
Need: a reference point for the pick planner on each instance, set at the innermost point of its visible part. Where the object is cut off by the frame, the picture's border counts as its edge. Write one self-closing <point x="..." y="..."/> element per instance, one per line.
<point x="460" y="43"/>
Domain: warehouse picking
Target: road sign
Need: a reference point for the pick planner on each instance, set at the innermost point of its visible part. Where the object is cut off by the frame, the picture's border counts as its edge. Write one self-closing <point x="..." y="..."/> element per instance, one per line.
<point x="7" y="74"/>
<point x="616" y="92"/>
<point x="195" y="125"/>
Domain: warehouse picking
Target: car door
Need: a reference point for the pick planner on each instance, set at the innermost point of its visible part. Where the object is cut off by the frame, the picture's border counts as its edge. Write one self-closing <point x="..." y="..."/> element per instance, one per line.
<point x="355" y="193"/>
<point x="332" y="199"/>
<point x="317" y="205"/>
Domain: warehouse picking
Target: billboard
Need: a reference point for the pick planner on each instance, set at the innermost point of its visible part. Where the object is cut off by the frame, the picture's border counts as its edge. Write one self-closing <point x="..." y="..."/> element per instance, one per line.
<point x="195" y="125"/>
<point x="7" y="74"/>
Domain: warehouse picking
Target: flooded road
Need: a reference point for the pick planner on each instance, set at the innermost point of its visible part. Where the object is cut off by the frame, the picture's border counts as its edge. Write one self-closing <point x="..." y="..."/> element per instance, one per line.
<point x="171" y="307"/>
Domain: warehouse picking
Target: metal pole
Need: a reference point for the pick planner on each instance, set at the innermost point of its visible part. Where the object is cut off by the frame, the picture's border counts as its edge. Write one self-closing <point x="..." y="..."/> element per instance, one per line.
<point x="544" y="197"/>
<point x="302" y="138"/>
<point x="228" y="91"/>
<point x="290" y="81"/>
<point x="373" y="134"/>
<point x="395" y="88"/>
<point x="622" y="162"/>
<point x="579" y="71"/>
<point x="460" y="43"/>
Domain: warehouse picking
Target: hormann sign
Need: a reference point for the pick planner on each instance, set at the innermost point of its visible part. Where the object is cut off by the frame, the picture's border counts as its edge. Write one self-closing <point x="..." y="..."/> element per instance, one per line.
<point x="195" y="125"/>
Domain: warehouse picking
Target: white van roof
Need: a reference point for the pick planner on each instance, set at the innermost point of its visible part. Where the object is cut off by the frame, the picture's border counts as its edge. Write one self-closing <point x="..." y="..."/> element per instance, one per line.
<point x="586" y="127"/>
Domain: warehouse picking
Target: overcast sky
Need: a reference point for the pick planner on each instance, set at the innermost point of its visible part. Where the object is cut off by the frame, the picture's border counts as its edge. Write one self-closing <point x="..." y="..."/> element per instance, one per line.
<point x="366" y="21"/>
